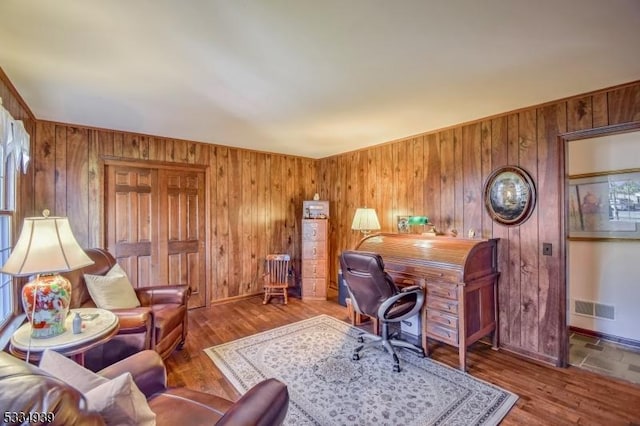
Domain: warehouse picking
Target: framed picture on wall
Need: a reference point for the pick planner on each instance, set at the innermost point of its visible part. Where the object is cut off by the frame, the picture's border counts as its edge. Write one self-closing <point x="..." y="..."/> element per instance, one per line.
<point x="604" y="205"/>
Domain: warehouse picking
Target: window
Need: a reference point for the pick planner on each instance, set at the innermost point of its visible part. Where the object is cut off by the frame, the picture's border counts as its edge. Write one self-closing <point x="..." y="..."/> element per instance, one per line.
<point x="14" y="155"/>
<point x="7" y="208"/>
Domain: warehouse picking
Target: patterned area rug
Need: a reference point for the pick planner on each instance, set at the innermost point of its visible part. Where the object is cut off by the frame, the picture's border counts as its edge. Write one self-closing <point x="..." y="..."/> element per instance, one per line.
<point x="326" y="387"/>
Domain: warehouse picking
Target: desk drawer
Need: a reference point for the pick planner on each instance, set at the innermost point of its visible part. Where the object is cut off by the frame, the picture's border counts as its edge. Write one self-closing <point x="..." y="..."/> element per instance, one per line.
<point x="442" y="333"/>
<point x="442" y="318"/>
<point x="440" y="304"/>
<point x="405" y="280"/>
<point x="447" y="291"/>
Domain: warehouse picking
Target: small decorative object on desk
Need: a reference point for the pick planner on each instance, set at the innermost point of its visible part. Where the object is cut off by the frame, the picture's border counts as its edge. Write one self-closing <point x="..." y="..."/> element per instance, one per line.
<point x="77" y="324"/>
<point x="316" y="197"/>
<point x="316" y="209"/>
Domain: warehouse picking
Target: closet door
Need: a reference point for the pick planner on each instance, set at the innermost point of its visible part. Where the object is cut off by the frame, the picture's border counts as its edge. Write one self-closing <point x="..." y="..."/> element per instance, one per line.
<point x="182" y="231"/>
<point x="155" y="225"/>
<point x="132" y="221"/>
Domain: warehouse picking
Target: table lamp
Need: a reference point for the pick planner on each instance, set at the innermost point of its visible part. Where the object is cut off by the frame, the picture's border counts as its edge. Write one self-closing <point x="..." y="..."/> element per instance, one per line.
<point x="46" y="246"/>
<point x="365" y="220"/>
<point x="418" y="221"/>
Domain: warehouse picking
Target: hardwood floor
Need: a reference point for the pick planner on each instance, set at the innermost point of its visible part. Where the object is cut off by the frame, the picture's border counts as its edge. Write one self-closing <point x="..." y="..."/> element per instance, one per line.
<point x="548" y="396"/>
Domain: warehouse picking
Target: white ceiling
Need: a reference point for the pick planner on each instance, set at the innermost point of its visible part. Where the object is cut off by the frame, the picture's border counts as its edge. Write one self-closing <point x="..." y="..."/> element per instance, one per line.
<point x="308" y="77"/>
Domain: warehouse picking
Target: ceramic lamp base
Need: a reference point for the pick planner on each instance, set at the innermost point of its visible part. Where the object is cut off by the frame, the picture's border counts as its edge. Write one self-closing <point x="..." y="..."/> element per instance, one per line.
<point x="52" y="295"/>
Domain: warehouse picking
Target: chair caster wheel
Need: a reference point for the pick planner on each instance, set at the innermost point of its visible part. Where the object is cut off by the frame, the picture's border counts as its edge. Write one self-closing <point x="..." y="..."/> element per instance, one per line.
<point x="355" y="357"/>
<point x="396" y="368"/>
<point x="360" y="339"/>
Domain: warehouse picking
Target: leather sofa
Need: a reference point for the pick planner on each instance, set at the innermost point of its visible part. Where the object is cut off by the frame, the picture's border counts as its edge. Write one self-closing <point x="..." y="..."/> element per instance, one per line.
<point x="25" y="388"/>
<point x="160" y="323"/>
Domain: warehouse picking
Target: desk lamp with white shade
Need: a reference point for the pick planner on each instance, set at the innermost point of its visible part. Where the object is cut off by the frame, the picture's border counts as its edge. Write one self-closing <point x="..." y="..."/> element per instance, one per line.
<point x="365" y="220"/>
<point x="46" y="246"/>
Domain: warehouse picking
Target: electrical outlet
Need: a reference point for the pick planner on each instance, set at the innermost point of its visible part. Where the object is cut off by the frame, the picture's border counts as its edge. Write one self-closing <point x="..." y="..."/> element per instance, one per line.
<point x="546" y="249"/>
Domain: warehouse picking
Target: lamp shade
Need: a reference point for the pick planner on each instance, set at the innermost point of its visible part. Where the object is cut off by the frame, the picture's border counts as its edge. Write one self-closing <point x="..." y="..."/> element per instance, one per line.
<point x="365" y="220"/>
<point x="46" y="245"/>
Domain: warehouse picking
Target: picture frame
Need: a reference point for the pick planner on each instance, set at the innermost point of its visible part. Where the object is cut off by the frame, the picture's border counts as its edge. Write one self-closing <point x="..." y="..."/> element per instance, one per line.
<point x="604" y="205"/>
<point x="403" y="224"/>
<point x="509" y="195"/>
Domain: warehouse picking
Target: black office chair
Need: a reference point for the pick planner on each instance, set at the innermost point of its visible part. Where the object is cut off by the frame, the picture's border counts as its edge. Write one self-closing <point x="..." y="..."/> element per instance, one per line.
<point x="373" y="293"/>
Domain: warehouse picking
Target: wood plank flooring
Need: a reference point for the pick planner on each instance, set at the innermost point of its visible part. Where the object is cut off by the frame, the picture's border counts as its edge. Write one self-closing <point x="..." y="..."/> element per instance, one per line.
<point x="548" y="395"/>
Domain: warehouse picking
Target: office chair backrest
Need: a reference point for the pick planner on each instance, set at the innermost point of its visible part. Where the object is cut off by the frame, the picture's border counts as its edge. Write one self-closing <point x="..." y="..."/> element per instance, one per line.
<point x="366" y="280"/>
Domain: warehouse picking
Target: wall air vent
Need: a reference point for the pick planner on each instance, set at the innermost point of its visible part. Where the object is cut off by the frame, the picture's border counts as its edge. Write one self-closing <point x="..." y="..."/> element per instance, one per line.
<point x="593" y="309"/>
<point x="605" y="311"/>
<point x="583" y="307"/>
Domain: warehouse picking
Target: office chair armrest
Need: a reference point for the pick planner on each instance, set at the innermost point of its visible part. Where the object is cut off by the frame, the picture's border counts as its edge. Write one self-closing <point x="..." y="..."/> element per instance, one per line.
<point x="387" y="304"/>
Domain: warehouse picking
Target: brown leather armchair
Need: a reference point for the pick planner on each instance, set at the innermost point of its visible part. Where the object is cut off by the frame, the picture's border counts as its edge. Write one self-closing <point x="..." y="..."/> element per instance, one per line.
<point x="160" y="323"/>
<point x="27" y="389"/>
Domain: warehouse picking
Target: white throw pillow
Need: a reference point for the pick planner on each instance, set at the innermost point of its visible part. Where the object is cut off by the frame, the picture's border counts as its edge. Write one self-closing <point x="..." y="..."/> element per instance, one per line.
<point x="70" y="372"/>
<point x="112" y="291"/>
<point x="120" y="402"/>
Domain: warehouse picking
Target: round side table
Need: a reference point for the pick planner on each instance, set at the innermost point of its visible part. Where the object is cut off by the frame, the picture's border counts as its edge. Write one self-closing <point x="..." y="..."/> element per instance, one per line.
<point x="98" y="326"/>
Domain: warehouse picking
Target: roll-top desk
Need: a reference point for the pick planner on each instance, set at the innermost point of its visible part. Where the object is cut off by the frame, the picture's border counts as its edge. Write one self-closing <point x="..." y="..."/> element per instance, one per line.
<point x="459" y="277"/>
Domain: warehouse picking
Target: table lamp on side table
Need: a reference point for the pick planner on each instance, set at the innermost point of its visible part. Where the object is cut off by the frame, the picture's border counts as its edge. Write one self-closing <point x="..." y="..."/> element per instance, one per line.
<point x="46" y="246"/>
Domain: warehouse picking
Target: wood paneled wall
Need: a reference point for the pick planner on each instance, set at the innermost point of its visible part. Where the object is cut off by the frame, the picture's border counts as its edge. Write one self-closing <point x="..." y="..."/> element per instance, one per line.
<point x="441" y="175"/>
<point x="255" y="199"/>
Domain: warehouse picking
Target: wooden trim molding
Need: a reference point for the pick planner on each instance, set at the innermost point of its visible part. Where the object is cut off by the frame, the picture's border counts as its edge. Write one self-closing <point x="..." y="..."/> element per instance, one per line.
<point x="610" y="337"/>
<point x="12" y="89"/>
<point x="600" y="131"/>
<point x="110" y="160"/>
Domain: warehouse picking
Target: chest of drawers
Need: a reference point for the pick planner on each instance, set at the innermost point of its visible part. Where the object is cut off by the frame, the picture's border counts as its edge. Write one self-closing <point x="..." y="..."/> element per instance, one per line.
<point x="315" y="256"/>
